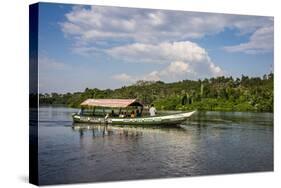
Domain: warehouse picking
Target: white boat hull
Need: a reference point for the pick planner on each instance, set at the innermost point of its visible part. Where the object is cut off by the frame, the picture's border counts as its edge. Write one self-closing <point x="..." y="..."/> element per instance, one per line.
<point x="172" y="119"/>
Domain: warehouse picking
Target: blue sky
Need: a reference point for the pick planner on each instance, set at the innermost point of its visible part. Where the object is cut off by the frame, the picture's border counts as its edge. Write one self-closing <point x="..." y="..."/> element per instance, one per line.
<point x="109" y="47"/>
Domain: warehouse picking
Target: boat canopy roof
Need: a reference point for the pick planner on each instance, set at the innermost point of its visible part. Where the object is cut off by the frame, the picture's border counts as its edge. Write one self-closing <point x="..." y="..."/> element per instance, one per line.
<point x="112" y="103"/>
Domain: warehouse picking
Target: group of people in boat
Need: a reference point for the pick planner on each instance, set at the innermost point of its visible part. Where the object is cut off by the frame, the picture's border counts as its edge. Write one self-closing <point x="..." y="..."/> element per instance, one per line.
<point x="134" y="113"/>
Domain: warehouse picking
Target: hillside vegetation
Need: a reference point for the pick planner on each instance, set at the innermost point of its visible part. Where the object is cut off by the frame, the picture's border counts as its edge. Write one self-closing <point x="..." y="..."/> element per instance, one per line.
<point x="217" y="94"/>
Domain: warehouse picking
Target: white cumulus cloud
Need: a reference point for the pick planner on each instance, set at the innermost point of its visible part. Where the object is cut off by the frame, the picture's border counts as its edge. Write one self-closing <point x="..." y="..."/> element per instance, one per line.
<point x="161" y="37"/>
<point x="186" y="59"/>
<point x="123" y="77"/>
<point x="260" y="42"/>
<point x="159" y="53"/>
<point x="174" y="71"/>
<point x="92" y="24"/>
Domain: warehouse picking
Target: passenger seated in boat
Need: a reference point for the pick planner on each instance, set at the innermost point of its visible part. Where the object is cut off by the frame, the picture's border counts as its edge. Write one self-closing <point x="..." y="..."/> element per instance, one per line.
<point x="133" y="114"/>
<point x="138" y="113"/>
<point x="152" y="110"/>
<point x="121" y="115"/>
<point x="113" y="114"/>
<point x="125" y="114"/>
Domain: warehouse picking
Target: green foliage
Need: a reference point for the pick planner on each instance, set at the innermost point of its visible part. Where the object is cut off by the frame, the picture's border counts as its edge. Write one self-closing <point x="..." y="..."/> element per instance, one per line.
<point x="218" y="94"/>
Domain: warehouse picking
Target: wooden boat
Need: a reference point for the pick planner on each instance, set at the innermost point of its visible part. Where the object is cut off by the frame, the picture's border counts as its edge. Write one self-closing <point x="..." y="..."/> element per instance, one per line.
<point x="102" y="116"/>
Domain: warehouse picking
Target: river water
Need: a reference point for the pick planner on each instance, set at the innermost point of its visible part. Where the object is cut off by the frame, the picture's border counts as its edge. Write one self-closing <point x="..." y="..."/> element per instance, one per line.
<point x="209" y="143"/>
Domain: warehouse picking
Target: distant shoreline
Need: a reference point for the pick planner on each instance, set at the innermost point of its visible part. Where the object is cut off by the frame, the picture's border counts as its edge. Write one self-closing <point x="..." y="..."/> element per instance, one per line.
<point x="159" y="111"/>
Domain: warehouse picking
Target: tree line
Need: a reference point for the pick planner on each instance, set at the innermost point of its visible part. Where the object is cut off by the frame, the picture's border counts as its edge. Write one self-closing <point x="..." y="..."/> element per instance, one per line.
<point x="215" y="94"/>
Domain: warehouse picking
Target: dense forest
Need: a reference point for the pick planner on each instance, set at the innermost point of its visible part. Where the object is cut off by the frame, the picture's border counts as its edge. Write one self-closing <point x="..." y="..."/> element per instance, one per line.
<point x="217" y="94"/>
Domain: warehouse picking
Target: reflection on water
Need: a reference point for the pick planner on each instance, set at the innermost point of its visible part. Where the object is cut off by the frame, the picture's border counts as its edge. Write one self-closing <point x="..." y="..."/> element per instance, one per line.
<point x="110" y="130"/>
<point x="209" y="143"/>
